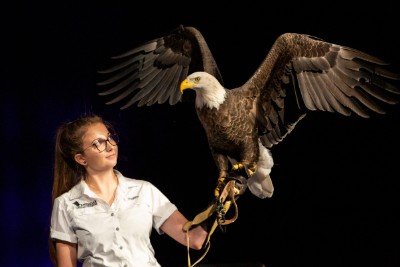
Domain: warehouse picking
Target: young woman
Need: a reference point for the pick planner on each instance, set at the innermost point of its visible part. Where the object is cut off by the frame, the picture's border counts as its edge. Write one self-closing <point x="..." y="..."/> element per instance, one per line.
<point x="100" y="217"/>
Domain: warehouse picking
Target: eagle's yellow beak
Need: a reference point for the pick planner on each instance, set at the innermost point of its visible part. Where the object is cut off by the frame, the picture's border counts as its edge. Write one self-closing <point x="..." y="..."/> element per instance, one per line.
<point x="185" y="84"/>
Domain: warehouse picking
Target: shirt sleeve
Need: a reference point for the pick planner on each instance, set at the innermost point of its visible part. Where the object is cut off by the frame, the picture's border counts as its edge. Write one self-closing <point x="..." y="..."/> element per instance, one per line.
<point x="162" y="208"/>
<point x="60" y="227"/>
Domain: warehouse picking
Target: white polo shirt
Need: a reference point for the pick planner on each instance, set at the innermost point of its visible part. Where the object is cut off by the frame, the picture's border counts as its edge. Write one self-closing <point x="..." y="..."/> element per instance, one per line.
<point x="116" y="235"/>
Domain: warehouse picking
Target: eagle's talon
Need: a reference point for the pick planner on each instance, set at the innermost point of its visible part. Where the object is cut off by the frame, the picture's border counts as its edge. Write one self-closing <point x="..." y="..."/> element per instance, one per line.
<point x="242" y="170"/>
<point x="220" y="186"/>
<point x="237" y="166"/>
<point x="236" y="191"/>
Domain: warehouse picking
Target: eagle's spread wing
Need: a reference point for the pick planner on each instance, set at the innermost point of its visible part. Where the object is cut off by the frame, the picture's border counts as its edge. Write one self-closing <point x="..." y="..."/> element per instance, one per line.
<point x="302" y="73"/>
<point x="151" y="73"/>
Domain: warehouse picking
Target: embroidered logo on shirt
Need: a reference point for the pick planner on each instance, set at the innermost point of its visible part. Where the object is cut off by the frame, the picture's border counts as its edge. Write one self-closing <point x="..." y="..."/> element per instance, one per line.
<point x="85" y="205"/>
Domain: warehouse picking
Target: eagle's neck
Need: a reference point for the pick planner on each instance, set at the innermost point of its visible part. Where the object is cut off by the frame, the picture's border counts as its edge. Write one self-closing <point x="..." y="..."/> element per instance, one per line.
<point x="211" y="97"/>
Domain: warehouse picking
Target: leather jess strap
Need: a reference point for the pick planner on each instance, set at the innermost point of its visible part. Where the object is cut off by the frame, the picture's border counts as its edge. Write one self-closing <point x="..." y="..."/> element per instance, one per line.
<point x="218" y="209"/>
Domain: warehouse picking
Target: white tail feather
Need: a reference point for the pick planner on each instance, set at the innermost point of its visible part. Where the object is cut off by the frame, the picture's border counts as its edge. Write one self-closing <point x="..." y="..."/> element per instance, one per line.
<point x="260" y="183"/>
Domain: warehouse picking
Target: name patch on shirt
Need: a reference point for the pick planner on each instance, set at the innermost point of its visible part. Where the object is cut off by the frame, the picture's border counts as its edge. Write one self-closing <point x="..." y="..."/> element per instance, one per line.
<point x="85" y="205"/>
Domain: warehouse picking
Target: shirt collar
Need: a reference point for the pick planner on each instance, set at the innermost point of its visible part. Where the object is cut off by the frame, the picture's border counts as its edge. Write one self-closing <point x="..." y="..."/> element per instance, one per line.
<point x="82" y="188"/>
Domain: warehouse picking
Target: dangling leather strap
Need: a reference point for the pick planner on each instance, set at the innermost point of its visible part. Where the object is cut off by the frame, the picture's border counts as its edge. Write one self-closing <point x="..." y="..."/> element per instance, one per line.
<point x="229" y="191"/>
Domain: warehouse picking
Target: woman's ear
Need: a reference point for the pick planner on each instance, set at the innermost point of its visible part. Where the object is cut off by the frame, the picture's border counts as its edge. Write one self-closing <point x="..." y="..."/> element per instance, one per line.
<point x="80" y="159"/>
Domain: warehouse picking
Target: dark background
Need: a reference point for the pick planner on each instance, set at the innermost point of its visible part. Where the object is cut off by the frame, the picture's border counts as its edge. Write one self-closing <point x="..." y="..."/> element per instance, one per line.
<point x="336" y="178"/>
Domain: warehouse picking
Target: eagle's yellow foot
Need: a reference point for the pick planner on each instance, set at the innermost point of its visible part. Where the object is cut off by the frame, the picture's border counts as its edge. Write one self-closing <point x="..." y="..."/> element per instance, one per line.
<point x="239" y="167"/>
<point x="236" y="191"/>
<point x="220" y="186"/>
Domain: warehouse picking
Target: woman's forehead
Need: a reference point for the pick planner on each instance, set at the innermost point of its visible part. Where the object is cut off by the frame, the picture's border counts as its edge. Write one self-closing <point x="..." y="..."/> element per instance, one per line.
<point x="96" y="130"/>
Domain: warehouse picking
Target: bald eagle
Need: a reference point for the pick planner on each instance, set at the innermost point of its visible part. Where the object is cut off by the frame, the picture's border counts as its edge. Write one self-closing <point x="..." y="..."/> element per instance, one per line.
<point x="300" y="73"/>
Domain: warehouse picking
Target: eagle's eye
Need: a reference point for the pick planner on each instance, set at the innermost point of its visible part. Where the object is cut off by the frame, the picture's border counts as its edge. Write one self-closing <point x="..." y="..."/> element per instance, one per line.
<point x="197" y="79"/>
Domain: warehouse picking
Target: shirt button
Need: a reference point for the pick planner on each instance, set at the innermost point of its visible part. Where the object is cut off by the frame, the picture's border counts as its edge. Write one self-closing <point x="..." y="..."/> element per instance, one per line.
<point x="120" y="247"/>
<point x="112" y="214"/>
<point x="117" y="228"/>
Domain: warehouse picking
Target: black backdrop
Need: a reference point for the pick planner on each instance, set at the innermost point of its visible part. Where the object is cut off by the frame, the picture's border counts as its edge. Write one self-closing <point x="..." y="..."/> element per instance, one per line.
<point x="336" y="178"/>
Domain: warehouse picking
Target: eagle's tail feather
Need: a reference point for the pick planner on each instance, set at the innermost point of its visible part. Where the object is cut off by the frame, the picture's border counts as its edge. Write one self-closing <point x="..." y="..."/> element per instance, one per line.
<point x="260" y="183"/>
<point x="261" y="187"/>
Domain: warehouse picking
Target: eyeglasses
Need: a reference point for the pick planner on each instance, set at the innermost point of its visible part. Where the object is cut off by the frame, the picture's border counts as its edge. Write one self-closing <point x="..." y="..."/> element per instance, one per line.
<point x="101" y="144"/>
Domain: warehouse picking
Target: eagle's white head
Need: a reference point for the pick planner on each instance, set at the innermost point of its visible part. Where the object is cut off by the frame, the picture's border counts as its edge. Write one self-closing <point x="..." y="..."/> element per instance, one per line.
<point x="209" y="91"/>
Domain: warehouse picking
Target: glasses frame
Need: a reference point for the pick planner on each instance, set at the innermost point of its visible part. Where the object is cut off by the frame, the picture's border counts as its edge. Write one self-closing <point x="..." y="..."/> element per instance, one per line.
<point x="107" y="141"/>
